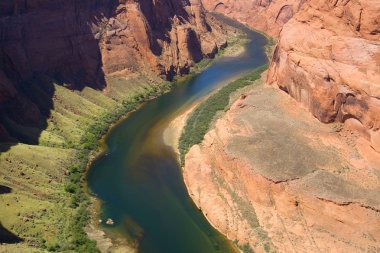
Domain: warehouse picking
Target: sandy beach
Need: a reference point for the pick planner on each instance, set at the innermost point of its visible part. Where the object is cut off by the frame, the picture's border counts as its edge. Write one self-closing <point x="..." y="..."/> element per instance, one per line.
<point x="173" y="132"/>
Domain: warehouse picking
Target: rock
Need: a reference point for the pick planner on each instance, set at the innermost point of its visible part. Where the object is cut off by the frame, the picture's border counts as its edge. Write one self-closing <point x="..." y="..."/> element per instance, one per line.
<point x="269" y="179"/>
<point x="109" y="221"/>
<point x="327" y="58"/>
<point x="375" y="140"/>
<point x="263" y="15"/>
<point x="78" y="44"/>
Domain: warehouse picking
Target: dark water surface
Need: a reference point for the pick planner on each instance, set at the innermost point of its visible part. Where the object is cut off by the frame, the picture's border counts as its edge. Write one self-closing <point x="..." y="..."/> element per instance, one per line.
<point x="139" y="181"/>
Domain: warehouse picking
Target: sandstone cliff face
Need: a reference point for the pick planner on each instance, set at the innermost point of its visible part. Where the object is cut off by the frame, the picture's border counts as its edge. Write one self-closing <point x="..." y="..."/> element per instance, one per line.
<point x="77" y="43"/>
<point x="328" y="55"/>
<point x="328" y="59"/>
<point x="169" y="36"/>
<point x="270" y="175"/>
<point x="264" y="15"/>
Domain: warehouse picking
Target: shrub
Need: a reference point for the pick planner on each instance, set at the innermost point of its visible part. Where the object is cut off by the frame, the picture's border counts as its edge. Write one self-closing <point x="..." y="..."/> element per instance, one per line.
<point x="71" y="188"/>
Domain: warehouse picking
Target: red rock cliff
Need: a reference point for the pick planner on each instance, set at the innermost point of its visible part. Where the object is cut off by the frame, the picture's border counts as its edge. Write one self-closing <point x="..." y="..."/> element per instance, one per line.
<point x="328" y="59"/>
<point x="328" y="55"/>
<point x="78" y="43"/>
<point x="268" y="174"/>
<point x="264" y="15"/>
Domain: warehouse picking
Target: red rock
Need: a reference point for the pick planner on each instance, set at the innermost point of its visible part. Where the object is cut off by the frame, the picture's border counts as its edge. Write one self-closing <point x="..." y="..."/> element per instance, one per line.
<point x="78" y="43"/>
<point x="109" y="221"/>
<point x="264" y="15"/>
<point x="375" y="140"/>
<point x="328" y="58"/>
<point x="328" y="53"/>
<point x="275" y="176"/>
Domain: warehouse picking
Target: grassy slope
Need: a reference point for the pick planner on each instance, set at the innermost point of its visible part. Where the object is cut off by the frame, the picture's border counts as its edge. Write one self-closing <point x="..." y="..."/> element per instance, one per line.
<point x="46" y="207"/>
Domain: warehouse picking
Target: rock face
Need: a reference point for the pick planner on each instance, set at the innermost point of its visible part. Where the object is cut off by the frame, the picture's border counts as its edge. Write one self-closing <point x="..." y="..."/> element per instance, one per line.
<point x="328" y="59"/>
<point x="77" y="43"/>
<point x="328" y="54"/>
<point x="271" y="176"/>
<point x="263" y="15"/>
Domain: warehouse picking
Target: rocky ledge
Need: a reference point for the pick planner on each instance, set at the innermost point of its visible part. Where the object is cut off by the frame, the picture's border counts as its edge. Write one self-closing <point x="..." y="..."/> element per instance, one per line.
<point x="270" y="175"/>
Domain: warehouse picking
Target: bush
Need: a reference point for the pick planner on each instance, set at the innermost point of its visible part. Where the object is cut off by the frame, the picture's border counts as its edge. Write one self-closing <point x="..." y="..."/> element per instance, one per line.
<point x="247" y="249"/>
<point x="79" y="240"/>
<point x="72" y="188"/>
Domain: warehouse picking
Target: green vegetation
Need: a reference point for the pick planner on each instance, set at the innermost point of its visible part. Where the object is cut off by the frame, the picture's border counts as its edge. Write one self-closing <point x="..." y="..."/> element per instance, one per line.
<point x="89" y="142"/>
<point x="235" y="42"/>
<point x="95" y="131"/>
<point x="48" y="206"/>
<point x="246" y="248"/>
<point x="201" y="65"/>
<point x="269" y="47"/>
<point x="201" y="118"/>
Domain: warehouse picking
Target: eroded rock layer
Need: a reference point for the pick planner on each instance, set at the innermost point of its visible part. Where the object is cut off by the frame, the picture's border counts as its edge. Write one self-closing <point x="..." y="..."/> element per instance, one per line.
<point x="328" y="59"/>
<point x="264" y="15"/>
<point x="271" y="176"/>
<point x="328" y="55"/>
<point x="77" y="43"/>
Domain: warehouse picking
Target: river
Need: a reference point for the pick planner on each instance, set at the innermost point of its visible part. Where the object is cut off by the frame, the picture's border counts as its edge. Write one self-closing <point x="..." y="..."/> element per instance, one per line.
<point x="139" y="180"/>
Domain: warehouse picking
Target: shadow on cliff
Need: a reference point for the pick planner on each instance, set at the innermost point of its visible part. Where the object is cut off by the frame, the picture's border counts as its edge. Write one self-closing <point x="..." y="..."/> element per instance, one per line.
<point x="5" y="189"/>
<point x="7" y="236"/>
<point x="47" y="44"/>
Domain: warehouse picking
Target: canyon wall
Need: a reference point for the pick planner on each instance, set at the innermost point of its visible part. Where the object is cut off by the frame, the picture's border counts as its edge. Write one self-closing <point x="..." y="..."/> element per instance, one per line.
<point x="274" y="179"/>
<point x="264" y="15"/>
<point x="268" y="174"/>
<point x="328" y="59"/>
<point x="77" y="43"/>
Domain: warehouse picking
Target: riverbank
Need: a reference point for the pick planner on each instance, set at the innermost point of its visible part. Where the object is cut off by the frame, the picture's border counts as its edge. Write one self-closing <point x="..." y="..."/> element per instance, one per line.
<point x="236" y="47"/>
<point x="201" y="118"/>
<point x="175" y="133"/>
<point x="59" y="162"/>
